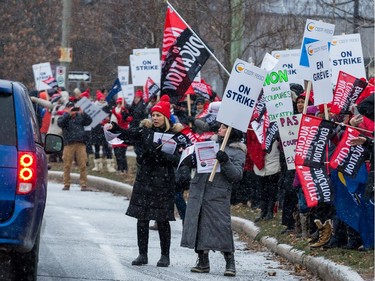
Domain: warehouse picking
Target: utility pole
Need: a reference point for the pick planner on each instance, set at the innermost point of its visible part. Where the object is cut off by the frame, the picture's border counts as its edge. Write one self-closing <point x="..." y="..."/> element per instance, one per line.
<point x="237" y="29"/>
<point x="65" y="38"/>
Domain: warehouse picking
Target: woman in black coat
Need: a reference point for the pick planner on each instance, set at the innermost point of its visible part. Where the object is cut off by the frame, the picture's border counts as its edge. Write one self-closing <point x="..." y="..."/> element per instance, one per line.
<point x="153" y="193"/>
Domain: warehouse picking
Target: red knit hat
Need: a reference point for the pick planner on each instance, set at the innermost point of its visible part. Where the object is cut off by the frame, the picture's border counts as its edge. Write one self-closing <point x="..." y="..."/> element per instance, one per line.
<point x="139" y="93"/>
<point x="85" y="94"/>
<point x="163" y="106"/>
<point x="99" y="95"/>
<point x="119" y="100"/>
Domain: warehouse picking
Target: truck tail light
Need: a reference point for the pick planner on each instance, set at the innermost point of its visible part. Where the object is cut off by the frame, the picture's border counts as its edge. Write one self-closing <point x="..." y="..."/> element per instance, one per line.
<point x="26" y="172"/>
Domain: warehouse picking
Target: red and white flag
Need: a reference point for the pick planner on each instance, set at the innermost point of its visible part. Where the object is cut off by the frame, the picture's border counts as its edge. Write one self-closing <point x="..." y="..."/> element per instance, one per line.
<point x="313" y="136"/>
<point x="346" y="158"/>
<point x="348" y="89"/>
<point x="151" y="89"/>
<point x="183" y="60"/>
<point x="316" y="185"/>
<point x="173" y="27"/>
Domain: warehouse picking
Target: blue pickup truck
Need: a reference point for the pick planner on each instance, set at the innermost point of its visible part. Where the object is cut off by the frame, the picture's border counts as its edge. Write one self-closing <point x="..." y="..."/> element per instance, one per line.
<point x="23" y="182"/>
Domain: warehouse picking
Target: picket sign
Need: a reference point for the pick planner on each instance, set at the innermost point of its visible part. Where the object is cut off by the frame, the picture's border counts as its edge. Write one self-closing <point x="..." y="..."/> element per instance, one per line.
<point x="226" y="137"/>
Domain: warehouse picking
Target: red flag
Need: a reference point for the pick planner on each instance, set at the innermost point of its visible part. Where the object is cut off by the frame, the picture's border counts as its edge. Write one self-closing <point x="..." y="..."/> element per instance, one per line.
<point x="183" y="60"/>
<point x="313" y="137"/>
<point x="203" y="89"/>
<point x="172" y="29"/>
<point x="316" y="185"/>
<point x="346" y="158"/>
<point x="150" y="89"/>
<point x="348" y="89"/>
<point x="194" y="137"/>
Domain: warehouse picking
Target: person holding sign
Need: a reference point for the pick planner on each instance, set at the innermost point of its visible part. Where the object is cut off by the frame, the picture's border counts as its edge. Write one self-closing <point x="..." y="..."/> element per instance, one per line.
<point x="153" y="194"/>
<point x="207" y="223"/>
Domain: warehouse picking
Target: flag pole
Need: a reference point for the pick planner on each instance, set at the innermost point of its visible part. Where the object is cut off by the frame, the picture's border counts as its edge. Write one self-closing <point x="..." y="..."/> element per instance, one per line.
<point x="208" y="49"/>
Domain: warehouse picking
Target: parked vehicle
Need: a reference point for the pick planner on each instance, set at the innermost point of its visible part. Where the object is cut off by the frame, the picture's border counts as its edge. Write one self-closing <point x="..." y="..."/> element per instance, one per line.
<point x="23" y="182"/>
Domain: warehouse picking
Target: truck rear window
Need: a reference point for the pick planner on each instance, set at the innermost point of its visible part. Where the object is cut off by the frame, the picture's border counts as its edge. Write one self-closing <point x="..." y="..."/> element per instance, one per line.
<point x="8" y="133"/>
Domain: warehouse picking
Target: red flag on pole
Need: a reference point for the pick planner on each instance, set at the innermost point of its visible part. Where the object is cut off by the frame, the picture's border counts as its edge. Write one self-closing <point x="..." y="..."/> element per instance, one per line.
<point x="347" y="91"/>
<point x="184" y="58"/>
<point x="150" y="89"/>
<point x="172" y="29"/>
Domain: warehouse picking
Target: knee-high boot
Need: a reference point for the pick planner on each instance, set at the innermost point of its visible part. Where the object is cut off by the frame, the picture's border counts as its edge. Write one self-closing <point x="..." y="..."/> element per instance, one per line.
<point x="164" y="230"/>
<point x="142" y="238"/>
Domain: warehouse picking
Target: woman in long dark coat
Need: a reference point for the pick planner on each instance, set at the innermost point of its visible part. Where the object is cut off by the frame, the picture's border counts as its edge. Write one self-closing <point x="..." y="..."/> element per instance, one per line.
<point x="207" y="224"/>
<point x="153" y="191"/>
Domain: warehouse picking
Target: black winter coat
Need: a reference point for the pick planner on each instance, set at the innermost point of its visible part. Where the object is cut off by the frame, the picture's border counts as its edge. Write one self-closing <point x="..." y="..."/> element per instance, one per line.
<point x="154" y="188"/>
<point x="73" y="127"/>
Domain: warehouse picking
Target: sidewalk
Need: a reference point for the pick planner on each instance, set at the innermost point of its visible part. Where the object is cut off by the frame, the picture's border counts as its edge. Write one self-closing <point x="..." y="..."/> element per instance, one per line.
<point x="323" y="268"/>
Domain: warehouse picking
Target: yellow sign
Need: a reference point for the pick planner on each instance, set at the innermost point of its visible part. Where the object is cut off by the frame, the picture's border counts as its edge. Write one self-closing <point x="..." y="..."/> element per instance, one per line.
<point x="66" y="54"/>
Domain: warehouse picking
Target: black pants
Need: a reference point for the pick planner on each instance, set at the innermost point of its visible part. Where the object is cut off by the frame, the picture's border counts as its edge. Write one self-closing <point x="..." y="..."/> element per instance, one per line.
<point x="164" y="230"/>
<point x="289" y="207"/>
<point x="121" y="160"/>
<point x="268" y="189"/>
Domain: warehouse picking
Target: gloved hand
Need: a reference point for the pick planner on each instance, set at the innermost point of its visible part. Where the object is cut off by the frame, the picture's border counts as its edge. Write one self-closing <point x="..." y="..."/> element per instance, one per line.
<point x="158" y="154"/>
<point x="222" y="157"/>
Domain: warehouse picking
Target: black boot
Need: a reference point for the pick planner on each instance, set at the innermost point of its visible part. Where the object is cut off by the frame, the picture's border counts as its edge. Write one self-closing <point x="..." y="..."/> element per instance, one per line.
<point x="140" y="260"/>
<point x="263" y="211"/>
<point x="164" y="230"/>
<point x="164" y="261"/>
<point x="230" y="268"/>
<point x="142" y="239"/>
<point x="270" y="207"/>
<point x="203" y="264"/>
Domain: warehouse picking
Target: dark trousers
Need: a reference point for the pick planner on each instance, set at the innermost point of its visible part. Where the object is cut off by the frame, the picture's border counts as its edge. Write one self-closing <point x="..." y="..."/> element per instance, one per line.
<point x="164" y="230"/>
<point x="289" y="207"/>
<point x="180" y="204"/>
<point x="268" y="192"/>
<point x="121" y="159"/>
<point x="107" y="150"/>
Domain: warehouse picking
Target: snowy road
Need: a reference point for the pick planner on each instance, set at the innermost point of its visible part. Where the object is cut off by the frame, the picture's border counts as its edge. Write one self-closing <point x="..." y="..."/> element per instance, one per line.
<point x="86" y="236"/>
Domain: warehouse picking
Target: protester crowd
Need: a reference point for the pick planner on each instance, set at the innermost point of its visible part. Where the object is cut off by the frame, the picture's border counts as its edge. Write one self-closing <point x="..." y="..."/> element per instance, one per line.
<point x="248" y="176"/>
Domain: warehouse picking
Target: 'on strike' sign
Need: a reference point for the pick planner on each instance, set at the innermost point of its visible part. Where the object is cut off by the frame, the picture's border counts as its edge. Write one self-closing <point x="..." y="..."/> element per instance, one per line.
<point x="240" y="95"/>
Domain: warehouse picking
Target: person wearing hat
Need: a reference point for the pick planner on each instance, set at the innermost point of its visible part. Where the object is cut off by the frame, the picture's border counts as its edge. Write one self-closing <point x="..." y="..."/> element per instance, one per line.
<point x="72" y="123"/>
<point x="98" y="140"/>
<point x="207" y="224"/>
<point x="153" y="194"/>
<point x="120" y="115"/>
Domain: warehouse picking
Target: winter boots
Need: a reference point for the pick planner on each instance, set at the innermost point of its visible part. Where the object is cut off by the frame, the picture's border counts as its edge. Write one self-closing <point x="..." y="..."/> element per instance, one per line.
<point x="111" y="165"/>
<point x="164" y="261"/>
<point x="230" y="267"/>
<point x="140" y="260"/>
<point x="325" y="231"/>
<point x="203" y="264"/>
<point x="98" y="165"/>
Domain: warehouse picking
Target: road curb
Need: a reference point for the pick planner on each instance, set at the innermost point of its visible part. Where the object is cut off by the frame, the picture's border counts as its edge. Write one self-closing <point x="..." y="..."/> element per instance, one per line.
<point x="323" y="268"/>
